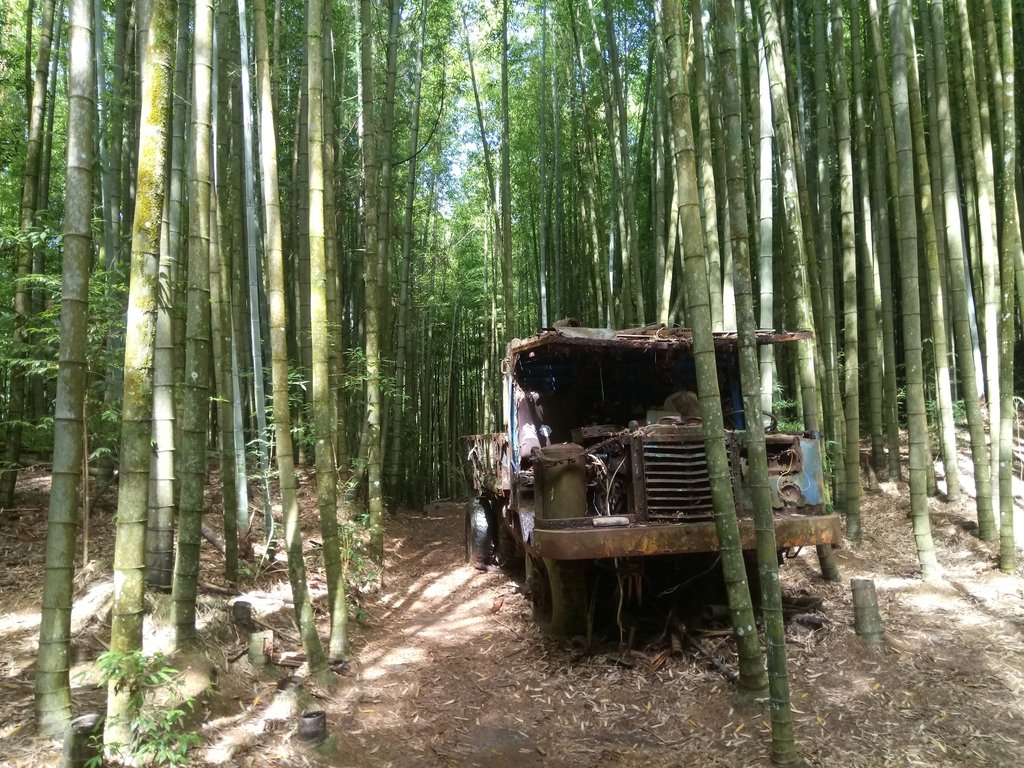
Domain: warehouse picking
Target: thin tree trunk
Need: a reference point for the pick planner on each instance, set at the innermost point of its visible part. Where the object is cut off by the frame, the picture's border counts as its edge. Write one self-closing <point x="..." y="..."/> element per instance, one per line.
<point x="222" y="331"/>
<point x="917" y="421"/>
<point x="848" y="249"/>
<point x="663" y="259"/>
<point x="29" y="20"/>
<point x="506" y="183"/>
<point x="374" y="271"/>
<point x="137" y="412"/>
<point x="766" y="229"/>
<point x="160" y="526"/>
<point x="705" y="170"/>
<point x="886" y="133"/>
<point x="791" y="203"/>
<point x="196" y="384"/>
<point x="698" y="310"/>
<point x="936" y="288"/>
<point x="29" y="199"/>
<point x="255" y="276"/>
<point x="630" y="246"/>
<point x="981" y="144"/>
<point x="556" y="231"/>
<point x="304" y="618"/>
<point x="603" y="279"/>
<point x="397" y="461"/>
<point x="506" y="286"/>
<point x="621" y="300"/>
<point x="1011" y="257"/>
<point x="53" y="683"/>
<point x="542" y="283"/>
<point x="105" y="113"/>
<point x="45" y="165"/>
<point x="326" y="472"/>
<point x="338" y="247"/>
<point x="222" y="342"/>
<point x="870" y="305"/>
<point x="300" y="259"/>
<point x="827" y="329"/>
<point x="233" y="295"/>
<point x="118" y="82"/>
<point x="386" y="153"/>
<point x="333" y="284"/>
<point x="959" y="296"/>
<point x="784" y="751"/>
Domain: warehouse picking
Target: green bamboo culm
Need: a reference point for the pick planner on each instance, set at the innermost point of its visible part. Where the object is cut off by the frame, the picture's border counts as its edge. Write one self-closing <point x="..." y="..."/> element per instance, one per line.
<point x="795" y="248"/>
<point x="784" y="750"/>
<point x="917" y="421"/>
<point x="847" y="226"/>
<point x="326" y="470"/>
<point x="196" y="384"/>
<point x="958" y="297"/>
<point x="53" y="684"/>
<point x="288" y="483"/>
<point x="137" y="412"/>
<point x="885" y="156"/>
<point x="1011" y="257"/>
<point x="698" y="312"/>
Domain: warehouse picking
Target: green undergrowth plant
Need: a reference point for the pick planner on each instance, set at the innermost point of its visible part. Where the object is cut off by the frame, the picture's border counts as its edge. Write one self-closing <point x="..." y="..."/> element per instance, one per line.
<point x="159" y="735"/>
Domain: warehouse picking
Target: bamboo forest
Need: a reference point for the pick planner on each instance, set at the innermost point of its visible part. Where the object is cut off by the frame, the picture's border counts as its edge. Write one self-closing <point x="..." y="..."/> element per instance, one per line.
<point x="511" y="383"/>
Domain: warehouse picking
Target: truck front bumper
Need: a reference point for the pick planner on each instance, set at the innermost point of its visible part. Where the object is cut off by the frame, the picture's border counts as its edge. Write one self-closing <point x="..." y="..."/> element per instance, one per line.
<point x="676" y="538"/>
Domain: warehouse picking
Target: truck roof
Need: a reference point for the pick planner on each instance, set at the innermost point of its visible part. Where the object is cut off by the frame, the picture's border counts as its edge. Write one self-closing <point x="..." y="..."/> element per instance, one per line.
<point x="654" y="337"/>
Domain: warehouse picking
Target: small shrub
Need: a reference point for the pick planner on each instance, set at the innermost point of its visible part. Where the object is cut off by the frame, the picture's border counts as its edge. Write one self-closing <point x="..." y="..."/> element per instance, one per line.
<point x="158" y="735"/>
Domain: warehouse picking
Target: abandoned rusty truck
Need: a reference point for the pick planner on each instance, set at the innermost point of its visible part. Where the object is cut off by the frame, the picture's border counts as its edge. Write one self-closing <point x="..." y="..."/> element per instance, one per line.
<point x="601" y="467"/>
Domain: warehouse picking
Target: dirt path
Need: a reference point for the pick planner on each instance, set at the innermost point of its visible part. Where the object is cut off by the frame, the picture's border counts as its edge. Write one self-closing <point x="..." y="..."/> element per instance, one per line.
<point x="452" y="671"/>
<point x="449" y="670"/>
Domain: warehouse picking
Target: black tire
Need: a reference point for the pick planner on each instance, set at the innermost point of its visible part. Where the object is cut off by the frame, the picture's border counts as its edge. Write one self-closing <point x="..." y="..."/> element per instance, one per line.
<point x="509" y="549"/>
<point x="481" y="532"/>
<point x="561" y="597"/>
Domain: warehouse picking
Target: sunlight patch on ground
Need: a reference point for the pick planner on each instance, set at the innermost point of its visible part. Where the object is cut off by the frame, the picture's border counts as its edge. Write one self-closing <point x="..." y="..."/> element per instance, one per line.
<point x="433" y="586"/>
<point x="397" y="657"/>
<point x="269" y="598"/>
<point x="966" y="474"/>
<point x="440" y="609"/>
<point x="22" y="627"/>
<point x="446" y="585"/>
<point x="944" y="603"/>
<point x="238" y="732"/>
<point x="18" y="621"/>
<point x="888" y="583"/>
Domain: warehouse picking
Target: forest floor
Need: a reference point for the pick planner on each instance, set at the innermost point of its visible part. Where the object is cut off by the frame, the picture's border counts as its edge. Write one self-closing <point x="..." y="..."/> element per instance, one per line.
<point x="448" y="669"/>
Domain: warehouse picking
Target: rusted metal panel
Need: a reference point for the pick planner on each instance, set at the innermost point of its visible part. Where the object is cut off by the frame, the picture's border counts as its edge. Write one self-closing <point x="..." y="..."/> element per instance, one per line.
<point x="639" y="492"/>
<point x="486" y="462"/>
<point x="675" y="477"/>
<point x="642" y="338"/>
<point x="670" y="539"/>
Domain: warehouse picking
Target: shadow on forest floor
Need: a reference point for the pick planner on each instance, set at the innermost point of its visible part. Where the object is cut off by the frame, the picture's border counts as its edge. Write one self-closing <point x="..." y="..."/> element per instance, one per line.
<point x="448" y="669"/>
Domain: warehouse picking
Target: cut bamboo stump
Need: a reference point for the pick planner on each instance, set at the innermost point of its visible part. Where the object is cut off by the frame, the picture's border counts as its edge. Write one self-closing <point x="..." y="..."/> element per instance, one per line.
<point x="82" y="742"/>
<point x="241" y="614"/>
<point x="829" y="569"/>
<point x="261" y="647"/>
<point x="312" y="727"/>
<point x="867" y="621"/>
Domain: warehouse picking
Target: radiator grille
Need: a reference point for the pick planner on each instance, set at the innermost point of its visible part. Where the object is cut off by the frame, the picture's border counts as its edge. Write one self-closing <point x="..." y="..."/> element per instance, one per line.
<point x="676" y="482"/>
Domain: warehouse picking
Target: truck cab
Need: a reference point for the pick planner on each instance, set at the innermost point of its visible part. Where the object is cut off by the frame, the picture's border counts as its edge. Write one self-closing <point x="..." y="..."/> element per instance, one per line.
<point x="602" y="459"/>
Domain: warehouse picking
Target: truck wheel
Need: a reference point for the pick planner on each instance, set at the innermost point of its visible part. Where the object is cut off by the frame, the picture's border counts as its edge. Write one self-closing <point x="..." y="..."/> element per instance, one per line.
<point x="509" y="550"/>
<point x="560" y="596"/>
<point x="480" y="532"/>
